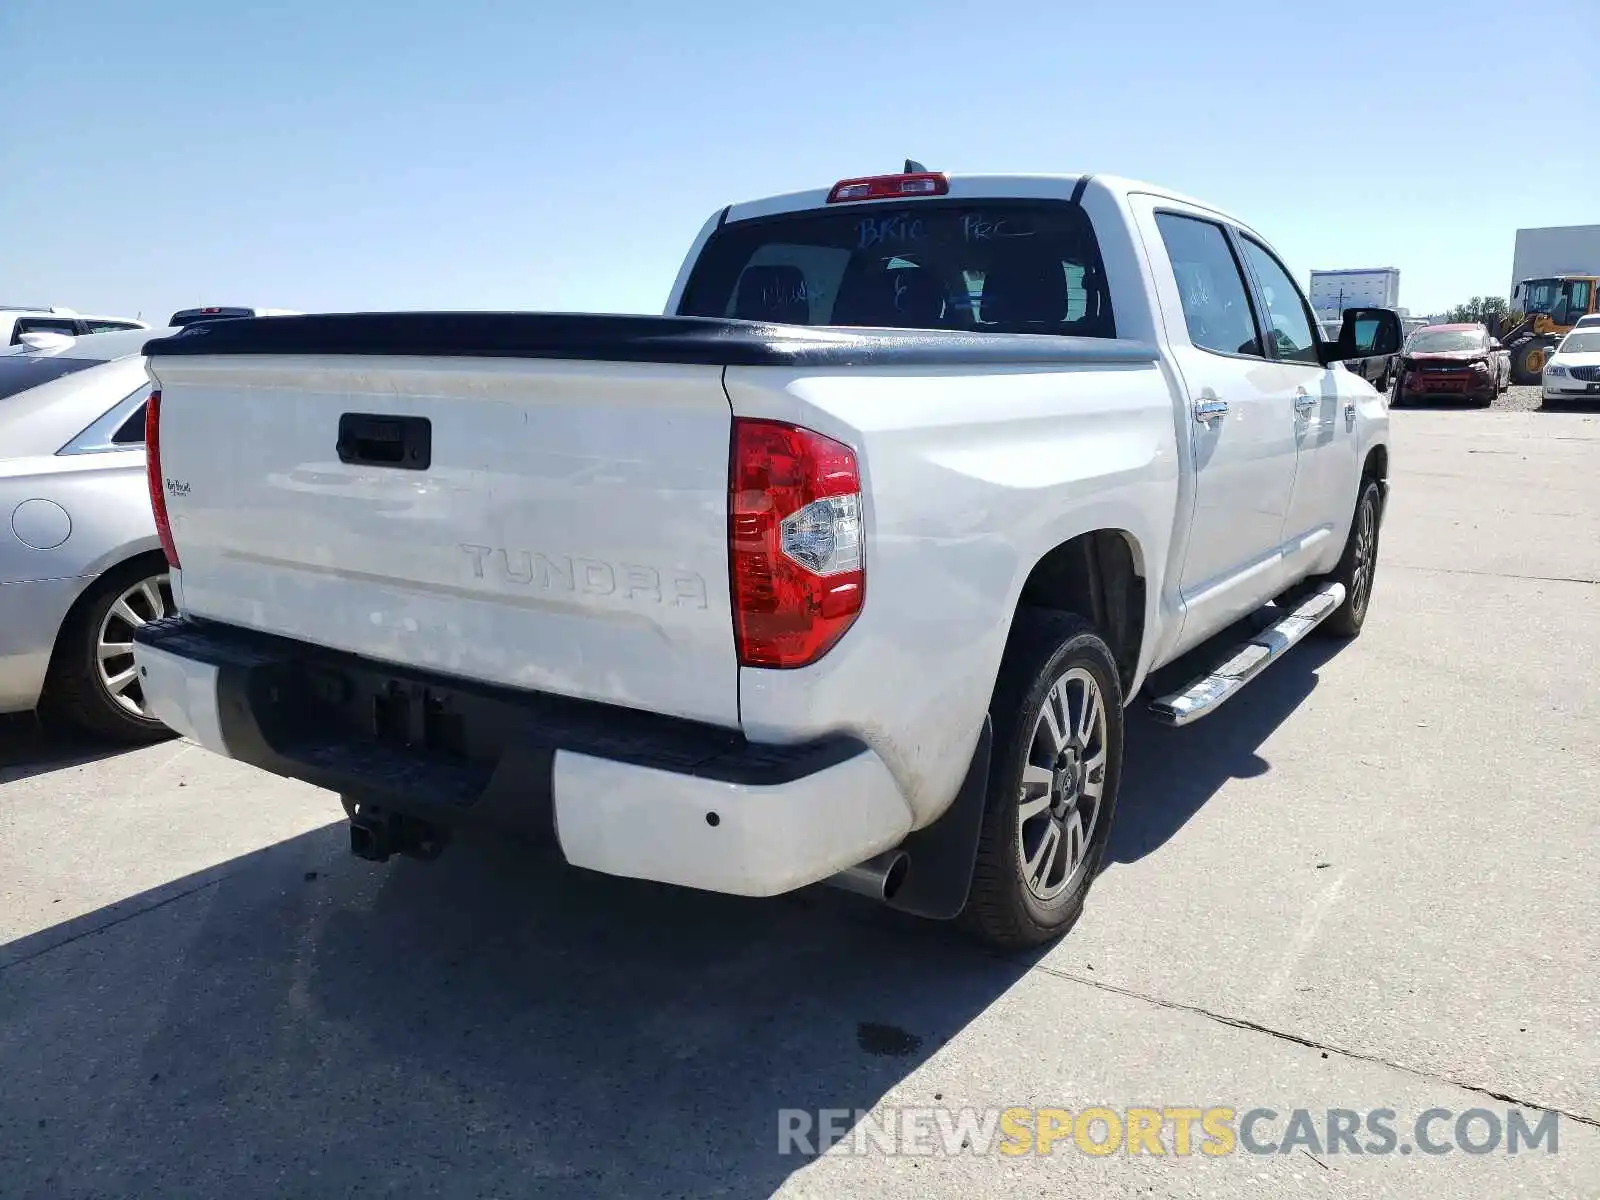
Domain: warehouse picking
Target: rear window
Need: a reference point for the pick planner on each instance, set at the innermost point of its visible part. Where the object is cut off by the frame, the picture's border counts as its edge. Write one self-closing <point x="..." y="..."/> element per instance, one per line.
<point x="1007" y="267"/>
<point x="19" y="372"/>
<point x="1449" y="341"/>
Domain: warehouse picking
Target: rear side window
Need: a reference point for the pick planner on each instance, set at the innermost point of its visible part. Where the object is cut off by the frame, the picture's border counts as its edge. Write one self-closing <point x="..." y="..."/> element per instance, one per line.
<point x="1004" y="267"/>
<point x="108" y="326"/>
<point x="131" y="431"/>
<point x="1216" y="304"/>
<point x="19" y="372"/>
<point x="42" y="325"/>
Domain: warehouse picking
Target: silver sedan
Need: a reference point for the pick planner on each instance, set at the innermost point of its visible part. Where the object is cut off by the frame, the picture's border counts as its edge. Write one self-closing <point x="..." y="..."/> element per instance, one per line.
<point x="80" y="564"/>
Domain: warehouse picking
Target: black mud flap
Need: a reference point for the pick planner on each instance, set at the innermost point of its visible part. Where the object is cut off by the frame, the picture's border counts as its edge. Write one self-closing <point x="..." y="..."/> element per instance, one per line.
<point x="941" y="856"/>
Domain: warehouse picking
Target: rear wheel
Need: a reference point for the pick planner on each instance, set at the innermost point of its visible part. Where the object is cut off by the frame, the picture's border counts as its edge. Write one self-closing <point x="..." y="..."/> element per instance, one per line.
<point x="1053" y="779"/>
<point x="93" y="683"/>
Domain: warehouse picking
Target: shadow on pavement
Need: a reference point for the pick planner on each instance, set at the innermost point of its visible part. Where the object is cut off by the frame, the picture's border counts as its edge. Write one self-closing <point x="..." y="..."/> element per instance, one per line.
<point x="1169" y="774"/>
<point x="30" y="747"/>
<point x="296" y="1022"/>
<point x="300" y="1023"/>
<point x="1446" y="403"/>
<point x="1571" y="406"/>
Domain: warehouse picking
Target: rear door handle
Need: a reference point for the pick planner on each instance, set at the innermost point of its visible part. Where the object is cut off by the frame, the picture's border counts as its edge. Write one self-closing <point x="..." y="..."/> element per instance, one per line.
<point x="1207" y="411"/>
<point x="1304" y="402"/>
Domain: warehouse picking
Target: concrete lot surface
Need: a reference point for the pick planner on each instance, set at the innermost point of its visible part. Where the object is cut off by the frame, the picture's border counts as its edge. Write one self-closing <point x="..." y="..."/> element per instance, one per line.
<point x="1370" y="882"/>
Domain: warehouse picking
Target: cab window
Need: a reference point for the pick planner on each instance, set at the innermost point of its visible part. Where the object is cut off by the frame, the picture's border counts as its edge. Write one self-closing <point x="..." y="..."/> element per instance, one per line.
<point x="1577" y="298"/>
<point x="1216" y="304"/>
<point x="993" y="267"/>
<point x="1289" y="329"/>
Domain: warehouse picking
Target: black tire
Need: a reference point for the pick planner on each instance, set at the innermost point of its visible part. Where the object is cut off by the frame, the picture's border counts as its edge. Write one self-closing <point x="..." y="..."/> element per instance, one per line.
<point x="1357" y="565"/>
<point x="1520" y="352"/>
<point x="1045" y="647"/>
<point x="74" y="692"/>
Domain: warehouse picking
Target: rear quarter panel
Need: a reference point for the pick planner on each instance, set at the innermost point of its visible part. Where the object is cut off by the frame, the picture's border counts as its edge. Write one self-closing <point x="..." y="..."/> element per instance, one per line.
<point x="107" y="519"/>
<point x="970" y="478"/>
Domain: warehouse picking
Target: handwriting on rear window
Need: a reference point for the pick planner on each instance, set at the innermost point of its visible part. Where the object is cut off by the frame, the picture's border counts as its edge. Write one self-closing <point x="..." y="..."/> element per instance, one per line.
<point x="976" y="227"/>
<point x="893" y="230"/>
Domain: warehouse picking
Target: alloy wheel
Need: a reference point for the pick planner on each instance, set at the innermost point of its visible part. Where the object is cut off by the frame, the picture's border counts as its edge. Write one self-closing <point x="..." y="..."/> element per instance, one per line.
<point x="146" y="601"/>
<point x="1063" y="784"/>
<point x="1361" y="570"/>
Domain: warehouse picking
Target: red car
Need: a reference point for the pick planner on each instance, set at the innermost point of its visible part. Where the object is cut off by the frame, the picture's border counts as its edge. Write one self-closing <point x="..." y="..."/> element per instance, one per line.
<point x="1453" y="361"/>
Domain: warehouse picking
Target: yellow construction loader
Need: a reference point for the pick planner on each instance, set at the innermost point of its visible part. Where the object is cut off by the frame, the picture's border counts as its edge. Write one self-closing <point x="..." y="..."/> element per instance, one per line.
<point x="1551" y="307"/>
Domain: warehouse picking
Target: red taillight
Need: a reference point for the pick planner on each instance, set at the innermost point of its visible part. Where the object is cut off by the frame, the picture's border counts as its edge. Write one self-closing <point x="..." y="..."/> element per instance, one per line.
<point x="795" y="543"/>
<point x="889" y="187"/>
<point x="152" y="471"/>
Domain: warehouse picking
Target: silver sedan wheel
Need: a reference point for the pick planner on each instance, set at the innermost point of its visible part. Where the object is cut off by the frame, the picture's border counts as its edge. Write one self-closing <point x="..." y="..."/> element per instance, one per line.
<point x="1063" y="781"/>
<point x="148" y="600"/>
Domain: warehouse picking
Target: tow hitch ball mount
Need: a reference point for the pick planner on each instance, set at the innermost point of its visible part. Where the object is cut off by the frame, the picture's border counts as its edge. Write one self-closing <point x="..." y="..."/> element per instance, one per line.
<point x="376" y="836"/>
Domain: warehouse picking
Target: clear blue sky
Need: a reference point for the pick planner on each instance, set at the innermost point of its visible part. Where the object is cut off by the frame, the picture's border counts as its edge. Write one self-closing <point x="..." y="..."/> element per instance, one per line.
<point x="347" y="154"/>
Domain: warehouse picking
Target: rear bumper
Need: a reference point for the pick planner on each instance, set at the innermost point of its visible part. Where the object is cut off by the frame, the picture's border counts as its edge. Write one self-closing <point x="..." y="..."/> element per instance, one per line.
<point x="623" y="792"/>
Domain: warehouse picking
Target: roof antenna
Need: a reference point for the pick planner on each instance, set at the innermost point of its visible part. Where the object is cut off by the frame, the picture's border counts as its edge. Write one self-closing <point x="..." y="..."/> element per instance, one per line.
<point x="913" y="167"/>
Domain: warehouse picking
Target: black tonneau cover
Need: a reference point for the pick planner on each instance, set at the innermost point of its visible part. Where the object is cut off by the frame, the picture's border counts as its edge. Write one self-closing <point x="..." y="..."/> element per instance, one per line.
<point x="705" y="341"/>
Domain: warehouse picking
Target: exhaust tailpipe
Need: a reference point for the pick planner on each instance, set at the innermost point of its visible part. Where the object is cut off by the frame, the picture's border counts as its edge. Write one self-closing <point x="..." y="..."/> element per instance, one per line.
<point x="879" y="878"/>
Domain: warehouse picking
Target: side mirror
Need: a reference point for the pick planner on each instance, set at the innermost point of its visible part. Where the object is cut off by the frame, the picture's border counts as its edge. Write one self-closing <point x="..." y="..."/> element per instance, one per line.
<point x="1382" y="334"/>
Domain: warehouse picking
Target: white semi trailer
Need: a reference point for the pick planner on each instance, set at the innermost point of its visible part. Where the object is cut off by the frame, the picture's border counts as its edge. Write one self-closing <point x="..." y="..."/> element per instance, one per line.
<point x="1332" y="292"/>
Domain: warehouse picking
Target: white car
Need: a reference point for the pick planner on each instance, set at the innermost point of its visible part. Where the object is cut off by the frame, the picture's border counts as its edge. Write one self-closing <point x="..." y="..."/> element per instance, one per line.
<point x="1591" y="321"/>
<point x="16" y="323"/>
<point x="80" y="563"/>
<point x="844" y="570"/>
<point x="1573" y="371"/>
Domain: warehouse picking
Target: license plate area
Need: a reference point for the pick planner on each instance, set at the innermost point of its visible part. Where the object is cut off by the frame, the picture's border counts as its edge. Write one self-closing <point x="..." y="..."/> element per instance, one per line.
<point x="427" y="718"/>
<point x="468" y="730"/>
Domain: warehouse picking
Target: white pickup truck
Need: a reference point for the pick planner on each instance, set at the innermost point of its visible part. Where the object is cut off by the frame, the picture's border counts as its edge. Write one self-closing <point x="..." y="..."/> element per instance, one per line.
<point x="844" y="569"/>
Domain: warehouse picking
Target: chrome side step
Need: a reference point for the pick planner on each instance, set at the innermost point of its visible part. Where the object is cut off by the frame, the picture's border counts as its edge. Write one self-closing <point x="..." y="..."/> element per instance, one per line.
<point x="1215" y="688"/>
